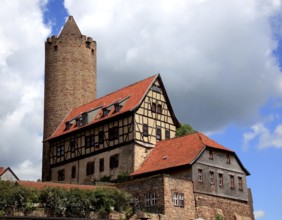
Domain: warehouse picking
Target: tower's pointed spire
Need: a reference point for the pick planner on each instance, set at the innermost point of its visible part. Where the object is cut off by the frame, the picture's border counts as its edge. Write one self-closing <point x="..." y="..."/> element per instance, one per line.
<point x="70" y="28"/>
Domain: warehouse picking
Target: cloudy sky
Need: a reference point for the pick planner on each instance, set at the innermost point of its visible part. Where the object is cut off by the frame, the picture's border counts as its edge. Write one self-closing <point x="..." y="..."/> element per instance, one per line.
<point x="220" y="62"/>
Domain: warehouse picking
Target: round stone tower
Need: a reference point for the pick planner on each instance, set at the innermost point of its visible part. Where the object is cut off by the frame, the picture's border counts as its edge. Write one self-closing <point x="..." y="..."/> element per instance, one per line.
<point x="70" y="79"/>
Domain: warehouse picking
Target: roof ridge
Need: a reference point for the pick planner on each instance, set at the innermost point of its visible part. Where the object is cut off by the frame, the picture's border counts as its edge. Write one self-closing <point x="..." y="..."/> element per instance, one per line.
<point x="108" y="94"/>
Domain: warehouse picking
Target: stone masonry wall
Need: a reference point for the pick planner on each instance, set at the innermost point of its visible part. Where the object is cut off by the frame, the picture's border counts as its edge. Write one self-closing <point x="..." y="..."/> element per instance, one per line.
<point x="207" y="207"/>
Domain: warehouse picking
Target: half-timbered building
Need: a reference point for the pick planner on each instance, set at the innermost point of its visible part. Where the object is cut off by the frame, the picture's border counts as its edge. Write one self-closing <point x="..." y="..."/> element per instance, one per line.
<point x="113" y="134"/>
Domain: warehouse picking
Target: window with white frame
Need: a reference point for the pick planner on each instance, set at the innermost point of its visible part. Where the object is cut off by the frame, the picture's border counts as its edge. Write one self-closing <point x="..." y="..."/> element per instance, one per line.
<point x="153" y="199"/>
<point x="147" y="200"/>
<point x="175" y="198"/>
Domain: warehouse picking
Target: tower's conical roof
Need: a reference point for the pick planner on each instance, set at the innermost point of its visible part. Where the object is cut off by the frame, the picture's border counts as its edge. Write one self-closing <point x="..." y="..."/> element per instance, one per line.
<point x="70" y="28"/>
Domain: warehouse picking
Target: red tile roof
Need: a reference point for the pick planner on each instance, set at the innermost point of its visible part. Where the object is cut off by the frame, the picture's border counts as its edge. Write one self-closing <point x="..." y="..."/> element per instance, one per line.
<point x="2" y="170"/>
<point x="135" y="93"/>
<point x="177" y="152"/>
<point x="40" y="185"/>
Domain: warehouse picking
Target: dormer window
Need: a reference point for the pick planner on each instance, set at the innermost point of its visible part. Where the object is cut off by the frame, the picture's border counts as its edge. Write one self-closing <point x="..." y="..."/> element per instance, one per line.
<point x="117" y="107"/>
<point x="68" y="125"/>
<point x="84" y="118"/>
<point x="105" y="112"/>
<point x="78" y="122"/>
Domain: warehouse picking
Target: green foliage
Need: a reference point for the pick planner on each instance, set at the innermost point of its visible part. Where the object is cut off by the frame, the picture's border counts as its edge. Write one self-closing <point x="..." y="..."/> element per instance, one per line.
<point x="123" y="177"/>
<point x="184" y="130"/>
<point x="219" y="217"/>
<point x="54" y="199"/>
<point x="78" y="203"/>
<point x="105" y="179"/>
<point x="60" y="202"/>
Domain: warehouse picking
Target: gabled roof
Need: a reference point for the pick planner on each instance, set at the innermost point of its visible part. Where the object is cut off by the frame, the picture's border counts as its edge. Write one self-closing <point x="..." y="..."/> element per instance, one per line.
<point x="130" y="97"/>
<point x="4" y="170"/>
<point x="178" y="152"/>
<point x="40" y="185"/>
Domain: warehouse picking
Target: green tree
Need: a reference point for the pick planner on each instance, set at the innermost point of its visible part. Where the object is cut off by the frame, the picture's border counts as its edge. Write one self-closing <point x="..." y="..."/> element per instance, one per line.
<point x="55" y="200"/>
<point x="184" y="129"/>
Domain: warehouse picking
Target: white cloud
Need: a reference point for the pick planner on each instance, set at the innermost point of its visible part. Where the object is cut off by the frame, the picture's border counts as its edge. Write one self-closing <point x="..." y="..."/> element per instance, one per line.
<point x="263" y="137"/>
<point x="215" y="57"/>
<point x="259" y="214"/>
<point x="22" y="37"/>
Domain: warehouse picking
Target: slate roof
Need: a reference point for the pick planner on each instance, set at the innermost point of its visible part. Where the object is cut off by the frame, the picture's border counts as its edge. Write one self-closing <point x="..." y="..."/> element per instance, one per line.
<point x="40" y="185"/>
<point x="133" y="94"/>
<point x="178" y="152"/>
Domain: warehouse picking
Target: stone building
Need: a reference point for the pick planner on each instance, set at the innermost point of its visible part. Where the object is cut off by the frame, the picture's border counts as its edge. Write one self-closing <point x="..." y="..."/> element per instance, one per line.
<point x="132" y="132"/>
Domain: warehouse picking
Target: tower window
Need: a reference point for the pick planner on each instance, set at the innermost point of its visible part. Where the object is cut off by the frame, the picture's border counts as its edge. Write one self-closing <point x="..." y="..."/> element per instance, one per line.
<point x="92" y="51"/>
<point x="56" y="48"/>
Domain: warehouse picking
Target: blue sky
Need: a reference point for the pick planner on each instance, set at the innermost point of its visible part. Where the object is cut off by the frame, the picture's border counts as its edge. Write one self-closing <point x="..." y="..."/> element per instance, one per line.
<point x="220" y="62"/>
